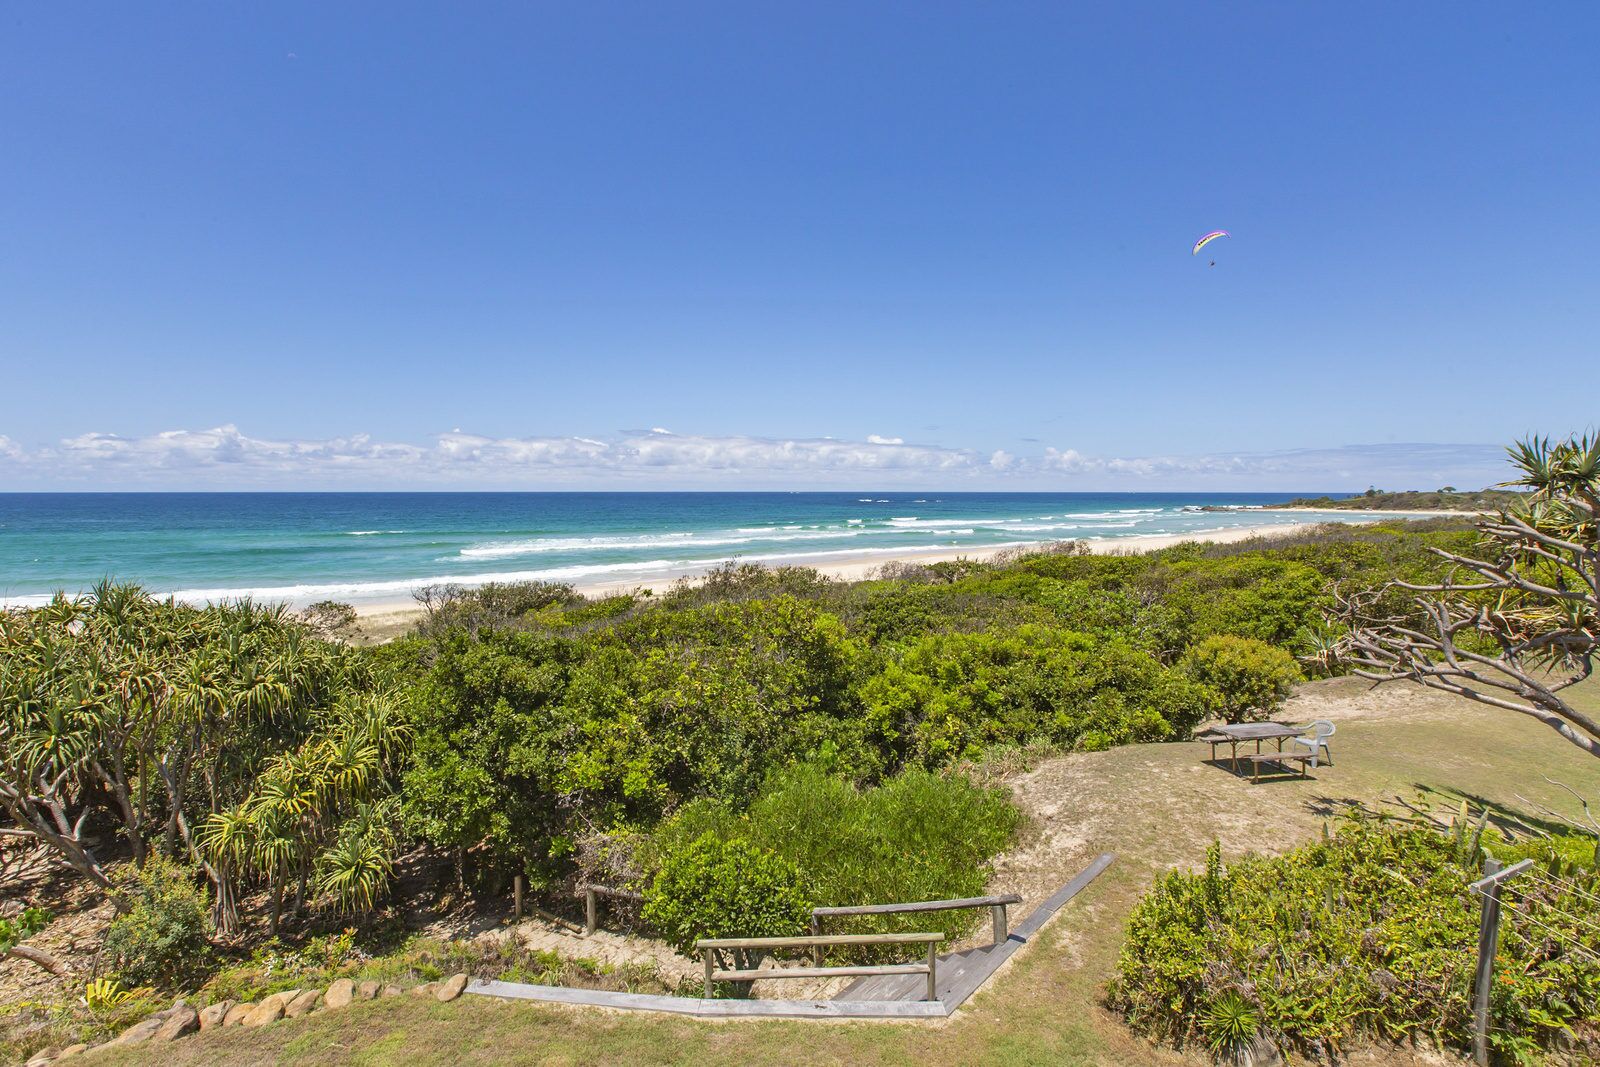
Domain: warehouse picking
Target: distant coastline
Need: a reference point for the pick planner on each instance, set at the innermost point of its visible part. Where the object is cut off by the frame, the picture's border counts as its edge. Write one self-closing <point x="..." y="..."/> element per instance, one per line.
<point x="1441" y="502"/>
<point x="375" y="551"/>
<point x="381" y="620"/>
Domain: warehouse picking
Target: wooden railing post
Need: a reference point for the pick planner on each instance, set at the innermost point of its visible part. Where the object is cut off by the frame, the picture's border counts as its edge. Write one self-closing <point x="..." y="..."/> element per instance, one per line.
<point x="933" y="963"/>
<point x="998" y="913"/>
<point x="709" y="969"/>
<point x="591" y="910"/>
<point x="816" y="950"/>
<point x="1488" y="936"/>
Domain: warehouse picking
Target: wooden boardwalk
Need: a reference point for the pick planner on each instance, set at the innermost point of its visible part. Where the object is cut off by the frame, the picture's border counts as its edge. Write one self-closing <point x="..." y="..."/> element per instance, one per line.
<point x="896" y="996"/>
<point x="961" y="974"/>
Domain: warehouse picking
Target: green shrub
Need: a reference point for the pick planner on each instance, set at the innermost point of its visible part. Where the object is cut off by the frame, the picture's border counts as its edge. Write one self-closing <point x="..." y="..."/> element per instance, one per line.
<point x="17" y="930"/>
<point x="1560" y="854"/>
<point x="1250" y="678"/>
<point x="1370" y="932"/>
<point x="950" y="696"/>
<point x="162" y="939"/>
<point x="714" y="888"/>
<point x="918" y="836"/>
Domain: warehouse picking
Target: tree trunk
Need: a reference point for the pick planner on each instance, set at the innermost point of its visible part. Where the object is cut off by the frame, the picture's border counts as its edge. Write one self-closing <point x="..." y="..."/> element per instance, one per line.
<point x="42" y="958"/>
<point x="277" y="900"/>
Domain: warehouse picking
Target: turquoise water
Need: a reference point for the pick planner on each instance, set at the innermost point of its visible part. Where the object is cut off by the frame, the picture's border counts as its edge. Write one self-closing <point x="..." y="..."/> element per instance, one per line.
<point x="372" y="547"/>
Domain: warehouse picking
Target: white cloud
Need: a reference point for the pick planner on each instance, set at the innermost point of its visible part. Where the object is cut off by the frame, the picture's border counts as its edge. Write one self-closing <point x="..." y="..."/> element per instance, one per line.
<point x="224" y="457"/>
<point x="1393" y="466"/>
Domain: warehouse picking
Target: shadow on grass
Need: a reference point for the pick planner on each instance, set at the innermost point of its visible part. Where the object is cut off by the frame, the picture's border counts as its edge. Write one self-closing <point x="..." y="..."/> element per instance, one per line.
<point x="1277" y="773"/>
<point x="1436" y="806"/>
<point x="1511" y="818"/>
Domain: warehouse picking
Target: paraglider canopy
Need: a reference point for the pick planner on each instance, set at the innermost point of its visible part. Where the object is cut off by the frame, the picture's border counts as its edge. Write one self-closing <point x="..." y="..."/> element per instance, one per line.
<point x="1207" y="239"/>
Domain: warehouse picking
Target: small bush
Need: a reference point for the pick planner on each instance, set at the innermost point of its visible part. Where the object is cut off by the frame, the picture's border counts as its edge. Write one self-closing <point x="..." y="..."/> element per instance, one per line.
<point x="162" y="939"/>
<point x="715" y="888"/>
<point x="332" y="620"/>
<point x="1251" y="678"/>
<point x="918" y="836"/>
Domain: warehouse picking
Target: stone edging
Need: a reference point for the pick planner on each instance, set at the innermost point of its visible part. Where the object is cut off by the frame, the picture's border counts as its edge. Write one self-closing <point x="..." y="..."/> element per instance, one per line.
<point x="181" y="1019"/>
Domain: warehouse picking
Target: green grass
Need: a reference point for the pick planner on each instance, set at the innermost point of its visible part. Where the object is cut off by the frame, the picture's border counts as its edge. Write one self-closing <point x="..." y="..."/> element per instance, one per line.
<point x="1155" y="805"/>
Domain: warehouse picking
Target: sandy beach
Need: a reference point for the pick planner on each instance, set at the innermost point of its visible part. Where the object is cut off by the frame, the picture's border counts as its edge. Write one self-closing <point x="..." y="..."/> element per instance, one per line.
<point x="385" y="619"/>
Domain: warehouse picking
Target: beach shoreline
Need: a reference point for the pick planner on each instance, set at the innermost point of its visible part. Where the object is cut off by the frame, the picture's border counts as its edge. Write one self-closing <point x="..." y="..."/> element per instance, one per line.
<point x="388" y="618"/>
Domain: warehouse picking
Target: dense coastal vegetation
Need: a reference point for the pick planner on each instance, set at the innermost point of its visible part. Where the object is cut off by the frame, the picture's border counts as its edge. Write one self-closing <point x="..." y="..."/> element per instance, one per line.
<point x="242" y="785"/>
<point x="1446" y="499"/>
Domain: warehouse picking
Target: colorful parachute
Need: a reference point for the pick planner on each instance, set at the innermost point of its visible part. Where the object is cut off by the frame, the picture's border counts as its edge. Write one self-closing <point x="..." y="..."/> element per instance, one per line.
<point x="1207" y="239"/>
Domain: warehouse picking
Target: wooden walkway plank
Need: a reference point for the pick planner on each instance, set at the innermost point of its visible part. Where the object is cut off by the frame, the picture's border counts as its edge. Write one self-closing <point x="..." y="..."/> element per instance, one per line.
<point x="726" y="1009"/>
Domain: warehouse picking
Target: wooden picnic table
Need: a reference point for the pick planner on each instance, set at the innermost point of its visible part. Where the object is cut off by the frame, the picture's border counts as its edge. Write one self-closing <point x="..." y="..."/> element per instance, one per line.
<point x="1234" y="733"/>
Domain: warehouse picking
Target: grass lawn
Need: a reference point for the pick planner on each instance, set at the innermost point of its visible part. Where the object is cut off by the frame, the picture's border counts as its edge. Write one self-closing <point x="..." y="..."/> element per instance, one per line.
<point x="1156" y="806"/>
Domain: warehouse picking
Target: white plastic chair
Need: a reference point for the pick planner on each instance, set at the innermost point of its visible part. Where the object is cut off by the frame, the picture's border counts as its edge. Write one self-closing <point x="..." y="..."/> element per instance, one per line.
<point x="1317" y="742"/>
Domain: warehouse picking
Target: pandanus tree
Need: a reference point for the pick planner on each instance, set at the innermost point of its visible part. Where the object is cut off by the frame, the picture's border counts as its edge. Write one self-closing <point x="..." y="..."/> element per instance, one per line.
<point x="320" y="818"/>
<point x="1516" y="625"/>
<point x="160" y="717"/>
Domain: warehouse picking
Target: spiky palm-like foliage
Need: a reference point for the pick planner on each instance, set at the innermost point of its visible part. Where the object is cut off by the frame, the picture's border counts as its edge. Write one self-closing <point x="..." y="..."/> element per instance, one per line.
<point x="173" y="713"/>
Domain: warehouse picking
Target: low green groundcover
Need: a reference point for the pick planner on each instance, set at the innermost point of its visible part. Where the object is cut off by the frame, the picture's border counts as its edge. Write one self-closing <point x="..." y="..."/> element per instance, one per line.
<point x="1370" y="932"/>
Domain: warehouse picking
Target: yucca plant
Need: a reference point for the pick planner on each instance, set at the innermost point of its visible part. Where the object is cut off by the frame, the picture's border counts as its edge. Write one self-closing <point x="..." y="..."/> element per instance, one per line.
<point x="355" y="872"/>
<point x="1230" y="1023"/>
<point x="103" y="994"/>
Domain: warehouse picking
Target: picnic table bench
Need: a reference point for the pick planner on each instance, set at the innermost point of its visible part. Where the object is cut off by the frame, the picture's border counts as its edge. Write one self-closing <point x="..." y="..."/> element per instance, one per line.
<point x="1234" y="734"/>
<point x="1283" y="759"/>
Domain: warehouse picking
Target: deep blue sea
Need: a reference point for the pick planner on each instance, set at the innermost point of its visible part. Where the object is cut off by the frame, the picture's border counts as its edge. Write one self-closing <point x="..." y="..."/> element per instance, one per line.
<point x="379" y="547"/>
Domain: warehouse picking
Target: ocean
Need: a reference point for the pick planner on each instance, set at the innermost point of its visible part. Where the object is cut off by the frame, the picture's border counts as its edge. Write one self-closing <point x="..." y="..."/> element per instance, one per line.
<point x="369" y="548"/>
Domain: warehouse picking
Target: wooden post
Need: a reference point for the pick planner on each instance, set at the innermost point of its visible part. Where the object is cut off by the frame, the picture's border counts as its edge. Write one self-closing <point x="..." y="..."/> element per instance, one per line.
<point x="816" y="931"/>
<point x="998" y="913"/>
<point x="591" y="910"/>
<point x="709" y="969"/>
<point x="933" y="962"/>
<point x="1488" y="938"/>
<point x="516" y="897"/>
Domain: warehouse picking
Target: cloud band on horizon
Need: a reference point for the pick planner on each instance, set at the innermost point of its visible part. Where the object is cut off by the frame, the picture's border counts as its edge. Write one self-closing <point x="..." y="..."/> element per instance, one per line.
<point x="226" y="458"/>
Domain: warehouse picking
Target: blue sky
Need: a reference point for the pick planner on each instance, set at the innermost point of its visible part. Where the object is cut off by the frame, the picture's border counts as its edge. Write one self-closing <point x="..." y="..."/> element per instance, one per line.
<point x="379" y="245"/>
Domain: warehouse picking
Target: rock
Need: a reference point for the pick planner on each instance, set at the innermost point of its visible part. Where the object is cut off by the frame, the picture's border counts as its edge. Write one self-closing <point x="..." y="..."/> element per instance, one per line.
<point x="73" y="1050"/>
<point x="269" y="1010"/>
<point x="181" y="1020"/>
<point x="425" y="989"/>
<point x="140" y="1032"/>
<point x="1262" y="1053"/>
<point x="390" y="990"/>
<point x="451" y="987"/>
<point x="340" y="994"/>
<point x="367" y="990"/>
<point x="213" y="1014"/>
<point x="304" y="1004"/>
<point x="238" y="1013"/>
<point x="43" y="1058"/>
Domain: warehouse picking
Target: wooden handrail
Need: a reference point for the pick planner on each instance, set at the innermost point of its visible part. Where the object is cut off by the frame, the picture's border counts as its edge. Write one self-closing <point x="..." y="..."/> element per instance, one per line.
<point x="921" y="905"/>
<point x="996" y="904"/>
<point x="817" y="939"/>
<point x="608" y="891"/>
<point x="757" y="974"/>
<point x="711" y="945"/>
<point x="591" y="905"/>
